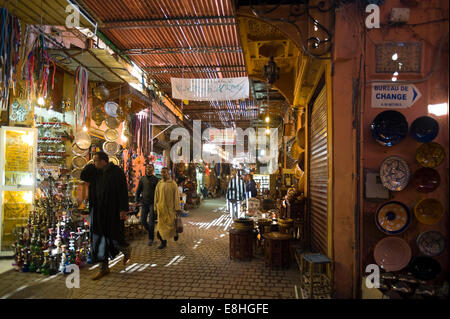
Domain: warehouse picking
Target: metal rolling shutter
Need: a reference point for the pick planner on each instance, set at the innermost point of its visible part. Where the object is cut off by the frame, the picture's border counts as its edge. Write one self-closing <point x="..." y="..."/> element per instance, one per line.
<point x="318" y="175"/>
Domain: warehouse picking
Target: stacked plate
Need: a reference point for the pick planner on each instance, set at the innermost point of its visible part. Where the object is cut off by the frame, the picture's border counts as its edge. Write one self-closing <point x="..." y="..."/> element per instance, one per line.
<point x="393" y="218"/>
<point x="392" y="254"/>
<point x="430" y="155"/>
<point x="431" y="243"/>
<point x="426" y="180"/>
<point x="429" y="211"/>
<point x="424" y="129"/>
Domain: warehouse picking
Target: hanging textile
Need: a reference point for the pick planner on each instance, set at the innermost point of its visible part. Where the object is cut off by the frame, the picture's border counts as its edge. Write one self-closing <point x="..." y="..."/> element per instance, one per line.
<point x="81" y="96"/>
<point x="10" y="43"/>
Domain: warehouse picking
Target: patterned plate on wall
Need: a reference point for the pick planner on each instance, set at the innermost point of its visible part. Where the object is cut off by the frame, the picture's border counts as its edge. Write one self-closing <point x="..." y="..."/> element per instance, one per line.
<point x="392" y="253"/>
<point x="76" y="173"/>
<point x="389" y="128"/>
<point x="111" y="135"/>
<point x="431" y="243"/>
<point x="394" y="173"/>
<point x="111" y="148"/>
<point x="426" y="179"/>
<point x="78" y="151"/>
<point x="430" y="154"/>
<point x="393" y="218"/>
<point x="83" y="140"/>
<point x="429" y="211"/>
<point x="424" y="129"/>
<point x="112" y="122"/>
<point x="111" y="108"/>
<point x="79" y="162"/>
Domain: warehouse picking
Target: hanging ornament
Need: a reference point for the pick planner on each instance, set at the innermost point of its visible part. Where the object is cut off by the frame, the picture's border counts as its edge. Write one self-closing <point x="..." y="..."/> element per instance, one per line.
<point x="98" y="116"/>
<point x="101" y="92"/>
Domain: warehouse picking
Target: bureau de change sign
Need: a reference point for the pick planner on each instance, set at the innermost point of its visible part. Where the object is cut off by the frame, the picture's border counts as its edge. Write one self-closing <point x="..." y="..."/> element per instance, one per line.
<point x="394" y="95"/>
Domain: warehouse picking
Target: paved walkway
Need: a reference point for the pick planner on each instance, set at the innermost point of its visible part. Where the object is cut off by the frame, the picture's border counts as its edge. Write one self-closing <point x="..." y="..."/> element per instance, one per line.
<point x="196" y="266"/>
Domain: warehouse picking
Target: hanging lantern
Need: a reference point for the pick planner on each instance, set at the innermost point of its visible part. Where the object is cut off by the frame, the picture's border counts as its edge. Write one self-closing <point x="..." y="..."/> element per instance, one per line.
<point x="271" y="71"/>
<point x="101" y="92"/>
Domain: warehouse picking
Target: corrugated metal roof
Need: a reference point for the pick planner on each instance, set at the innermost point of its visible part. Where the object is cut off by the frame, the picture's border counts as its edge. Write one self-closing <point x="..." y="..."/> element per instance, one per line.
<point x="185" y="26"/>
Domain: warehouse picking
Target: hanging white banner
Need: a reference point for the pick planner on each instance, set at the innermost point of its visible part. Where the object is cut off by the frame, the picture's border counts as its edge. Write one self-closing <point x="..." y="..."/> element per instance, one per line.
<point x="210" y="89"/>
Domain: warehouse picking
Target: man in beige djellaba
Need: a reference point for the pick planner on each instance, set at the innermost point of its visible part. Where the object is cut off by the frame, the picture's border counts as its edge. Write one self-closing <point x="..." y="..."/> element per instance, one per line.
<point x="167" y="205"/>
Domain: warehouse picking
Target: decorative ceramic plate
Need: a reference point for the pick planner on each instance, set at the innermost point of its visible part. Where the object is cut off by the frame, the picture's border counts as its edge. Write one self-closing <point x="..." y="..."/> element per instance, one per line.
<point x="392" y="253"/>
<point x="393" y="218"/>
<point x="83" y="140"/>
<point x="114" y="160"/>
<point x="430" y="154"/>
<point x="111" y="148"/>
<point x="426" y="180"/>
<point x="429" y="211"/>
<point x="76" y="173"/>
<point x="111" y="108"/>
<point x="394" y="173"/>
<point x="431" y="243"/>
<point x="389" y="128"/>
<point x="79" y="162"/>
<point x="78" y="151"/>
<point x="425" y="268"/>
<point x="424" y="129"/>
<point x="111" y="135"/>
<point x="112" y="122"/>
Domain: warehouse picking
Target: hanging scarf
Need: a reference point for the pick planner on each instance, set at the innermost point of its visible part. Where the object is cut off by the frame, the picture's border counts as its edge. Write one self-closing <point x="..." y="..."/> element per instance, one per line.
<point x="10" y="43"/>
<point x="81" y="96"/>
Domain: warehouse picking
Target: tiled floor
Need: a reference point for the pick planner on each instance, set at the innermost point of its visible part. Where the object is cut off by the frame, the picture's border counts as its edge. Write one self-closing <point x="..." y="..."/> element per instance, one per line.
<point x="196" y="266"/>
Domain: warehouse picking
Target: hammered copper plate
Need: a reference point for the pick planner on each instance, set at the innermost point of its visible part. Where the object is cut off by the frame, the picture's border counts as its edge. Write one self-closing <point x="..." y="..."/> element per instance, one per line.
<point x="111" y="148"/>
<point x="76" y="173"/>
<point x="79" y="162"/>
<point x="114" y="160"/>
<point x="392" y="254"/>
<point x="78" y="151"/>
<point x="112" y="122"/>
<point x="111" y="135"/>
<point x="83" y="140"/>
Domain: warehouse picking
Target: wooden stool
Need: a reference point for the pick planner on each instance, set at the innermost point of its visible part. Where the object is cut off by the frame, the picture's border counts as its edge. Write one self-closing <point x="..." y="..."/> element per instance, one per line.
<point x="316" y="284"/>
<point x="277" y="252"/>
<point x="241" y="244"/>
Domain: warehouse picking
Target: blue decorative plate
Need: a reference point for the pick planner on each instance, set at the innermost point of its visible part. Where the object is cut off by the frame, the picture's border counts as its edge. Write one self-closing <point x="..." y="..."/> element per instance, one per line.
<point x="394" y="173"/>
<point x="393" y="218"/>
<point x="389" y="128"/>
<point x="424" y="129"/>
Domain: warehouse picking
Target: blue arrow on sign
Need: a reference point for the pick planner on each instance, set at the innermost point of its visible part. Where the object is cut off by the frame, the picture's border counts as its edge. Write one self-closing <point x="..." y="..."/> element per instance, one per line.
<point x="415" y="95"/>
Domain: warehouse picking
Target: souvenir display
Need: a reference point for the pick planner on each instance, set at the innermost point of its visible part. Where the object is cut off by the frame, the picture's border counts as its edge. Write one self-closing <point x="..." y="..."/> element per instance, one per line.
<point x="19" y="111"/>
<point x="295" y="151"/>
<point x="393" y="218"/>
<point x="111" y="135"/>
<point x="111" y="148"/>
<point x="101" y="92"/>
<point x="81" y="96"/>
<point x="300" y="138"/>
<point x="424" y="129"/>
<point x="389" y="128"/>
<point x="430" y="154"/>
<point x="426" y="180"/>
<point x="431" y="243"/>
<point x="392" y="254"/>
<point x="111" y="108"/>
<point x="79" y="162"/>
<point x="429" y="211"/>
<point x="78" y="151"/>
<point x="394" y="173"/>
<point x="98" y="116"/>
<point x="425" y="268"/>
<point x="83" y="140"/>
<point x="112" y="122"/>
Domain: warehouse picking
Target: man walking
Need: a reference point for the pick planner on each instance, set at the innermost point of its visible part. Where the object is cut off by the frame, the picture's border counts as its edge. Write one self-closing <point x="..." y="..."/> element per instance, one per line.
<point x="167" y="204"/>
<point x="236" y="193"/>
<point x="250" y="184"/>
<point x="110" y="208"/>
<point x="146" y="187"/>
